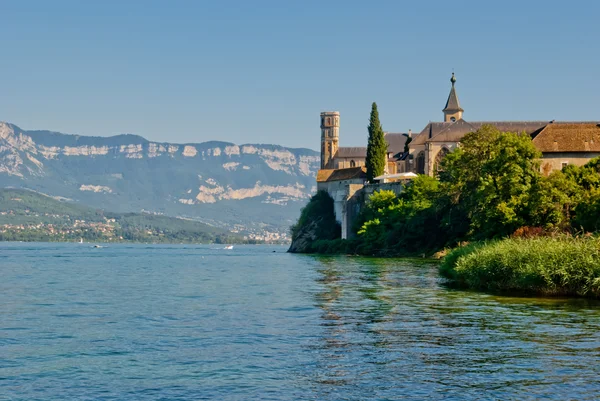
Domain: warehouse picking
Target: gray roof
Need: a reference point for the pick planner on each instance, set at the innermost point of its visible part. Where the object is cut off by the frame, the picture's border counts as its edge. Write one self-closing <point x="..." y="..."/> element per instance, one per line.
<point x="452" y="104"/>
<point x="360" y="152"/>
<point x="430" y="130"/>
<point x="454" y="131"/>
<point x="395" y="142"/>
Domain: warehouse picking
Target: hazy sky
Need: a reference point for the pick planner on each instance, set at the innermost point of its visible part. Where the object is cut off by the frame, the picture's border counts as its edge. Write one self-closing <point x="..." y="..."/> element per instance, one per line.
<point x="262" y="71"/>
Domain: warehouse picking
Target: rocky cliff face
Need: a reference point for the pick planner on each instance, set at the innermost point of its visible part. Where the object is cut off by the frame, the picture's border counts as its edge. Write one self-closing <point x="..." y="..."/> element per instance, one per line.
<point x="254" y="188"/>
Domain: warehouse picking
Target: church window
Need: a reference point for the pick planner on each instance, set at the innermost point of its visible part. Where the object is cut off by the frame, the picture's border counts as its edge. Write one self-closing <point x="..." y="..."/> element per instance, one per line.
<point x="453" y="119"/>
<point x="352" y="163"/>
<point x="329" y="148"/>
<point x="421" y="163"/>
<point x="438" y="159"/>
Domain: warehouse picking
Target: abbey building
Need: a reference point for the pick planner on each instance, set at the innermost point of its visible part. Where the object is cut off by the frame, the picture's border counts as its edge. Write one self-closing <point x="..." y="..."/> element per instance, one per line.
<point x="561" y="143"/>
<point x="343" y="174"/>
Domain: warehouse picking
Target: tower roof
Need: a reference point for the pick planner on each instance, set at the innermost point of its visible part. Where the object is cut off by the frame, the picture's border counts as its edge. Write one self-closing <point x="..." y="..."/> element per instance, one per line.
<point x="452" y="104"/>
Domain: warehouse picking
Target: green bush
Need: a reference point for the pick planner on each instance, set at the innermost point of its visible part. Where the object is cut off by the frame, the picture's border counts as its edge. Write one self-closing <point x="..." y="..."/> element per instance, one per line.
<point x="403" y="225"/>
<point x="548" y="266"/>
<point x="335" y="247"/>
<point x="318" y="212"/>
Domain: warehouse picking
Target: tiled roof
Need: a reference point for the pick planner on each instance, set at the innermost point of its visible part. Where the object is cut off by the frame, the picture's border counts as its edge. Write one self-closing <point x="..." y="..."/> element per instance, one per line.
<point x="324" y="174"/>
<point x="568" y="137"/>
<point x="345" y="174"/>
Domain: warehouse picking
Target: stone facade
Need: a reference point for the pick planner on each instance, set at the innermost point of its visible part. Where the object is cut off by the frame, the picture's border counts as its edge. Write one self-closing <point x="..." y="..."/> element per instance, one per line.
<point x="343" y="176"/>
<point x="349" y="197"/>
<point x="330" y="137"/>
<point x="556" y="161"/>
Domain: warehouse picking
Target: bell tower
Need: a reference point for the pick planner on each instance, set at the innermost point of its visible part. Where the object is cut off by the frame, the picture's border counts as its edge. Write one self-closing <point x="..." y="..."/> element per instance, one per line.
<point x="330" y="137"/>
<point x="452" y="111"/>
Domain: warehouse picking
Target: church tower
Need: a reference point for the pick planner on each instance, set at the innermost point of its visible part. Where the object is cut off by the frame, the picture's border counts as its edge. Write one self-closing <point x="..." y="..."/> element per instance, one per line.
<point x="330" y="137"/>
<point x="452" y="111"/>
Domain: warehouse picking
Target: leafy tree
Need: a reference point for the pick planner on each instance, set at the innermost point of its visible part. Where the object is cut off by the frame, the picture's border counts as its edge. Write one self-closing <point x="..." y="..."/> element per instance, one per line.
<point x="376" y="148"/>
<point x="318" y="216"/>
<point x="585" y="196"/>
<point x="553" y="200"/>
<point x="407" y="143"/>
<point x="490" y="177"/>
<point x="402" y="225"/>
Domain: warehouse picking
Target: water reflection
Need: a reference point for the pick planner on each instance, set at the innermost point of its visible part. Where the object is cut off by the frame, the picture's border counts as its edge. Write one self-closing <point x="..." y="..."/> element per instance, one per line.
<point x="392" y="327"/>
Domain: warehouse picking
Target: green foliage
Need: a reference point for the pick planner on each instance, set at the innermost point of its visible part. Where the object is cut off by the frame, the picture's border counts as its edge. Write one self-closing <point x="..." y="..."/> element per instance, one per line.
<point x="587" y="215"/>
<point x="402" y="225"/>
<point x="552" y="200"/>
<point x="376" y="147"/>
<point x="488" y="188"/>
<point x="550" y="266"/>
<point x="377" y="202"/>
<point x="317" y="217"/>
<point x="490" y="177"/>
<point x="407" y="143"/>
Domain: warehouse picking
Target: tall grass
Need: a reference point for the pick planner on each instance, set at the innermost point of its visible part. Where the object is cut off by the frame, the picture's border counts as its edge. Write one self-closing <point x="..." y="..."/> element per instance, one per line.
<point x="545" y="265"/>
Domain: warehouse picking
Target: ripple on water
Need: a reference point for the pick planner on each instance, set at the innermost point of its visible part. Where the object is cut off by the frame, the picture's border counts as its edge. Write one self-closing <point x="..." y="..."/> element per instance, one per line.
<point x="191" y="322"/>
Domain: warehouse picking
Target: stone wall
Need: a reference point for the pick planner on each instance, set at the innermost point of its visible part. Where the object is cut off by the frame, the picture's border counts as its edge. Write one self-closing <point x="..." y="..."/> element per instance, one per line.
<point x="349" y="198"/>
<point x="556" y="160"/>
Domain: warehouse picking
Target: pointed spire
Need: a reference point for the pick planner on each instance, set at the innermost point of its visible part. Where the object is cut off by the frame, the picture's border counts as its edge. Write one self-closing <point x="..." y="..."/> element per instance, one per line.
<point x="452" y="104"/>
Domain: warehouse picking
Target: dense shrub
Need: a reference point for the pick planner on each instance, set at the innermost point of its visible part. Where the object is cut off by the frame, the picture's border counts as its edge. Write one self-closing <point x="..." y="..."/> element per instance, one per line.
<point x="546" y="265"/>
<point x="319" y="217"/>
<point x="402" y="225"/>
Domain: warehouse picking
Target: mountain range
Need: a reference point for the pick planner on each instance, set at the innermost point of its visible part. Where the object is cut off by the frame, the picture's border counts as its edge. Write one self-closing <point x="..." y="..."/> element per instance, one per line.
<point x="251" y="188"/>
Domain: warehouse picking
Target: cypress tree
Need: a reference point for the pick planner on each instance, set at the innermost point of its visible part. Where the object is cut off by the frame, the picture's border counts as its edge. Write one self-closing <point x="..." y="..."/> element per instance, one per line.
<point x="377" y="147"/>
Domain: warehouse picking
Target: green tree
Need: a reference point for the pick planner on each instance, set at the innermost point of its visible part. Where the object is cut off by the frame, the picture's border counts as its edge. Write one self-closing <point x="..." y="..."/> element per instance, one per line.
<point x="376" y="148"/>
<point x="405" y="224"/>
<point x="490" y="177"/>
<point x="318" y="217"/>
<point x="553" y="200"/>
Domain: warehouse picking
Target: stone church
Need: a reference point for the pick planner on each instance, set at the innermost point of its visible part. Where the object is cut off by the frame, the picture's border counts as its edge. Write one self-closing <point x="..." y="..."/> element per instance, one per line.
<point x="561" y="143"/>
<point x="343" y="172"/>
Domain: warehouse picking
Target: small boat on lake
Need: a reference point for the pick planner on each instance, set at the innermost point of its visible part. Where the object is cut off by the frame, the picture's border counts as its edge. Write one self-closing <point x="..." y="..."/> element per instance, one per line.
<point x="228" y="247"/>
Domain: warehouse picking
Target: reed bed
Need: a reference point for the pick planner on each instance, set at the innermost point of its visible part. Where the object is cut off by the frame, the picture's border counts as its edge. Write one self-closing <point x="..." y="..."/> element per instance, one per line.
<point x="542" y="266"/>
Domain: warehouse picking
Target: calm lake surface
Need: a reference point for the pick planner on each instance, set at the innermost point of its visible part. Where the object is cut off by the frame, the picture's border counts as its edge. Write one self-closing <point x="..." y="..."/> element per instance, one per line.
<point x="143" y="322"/>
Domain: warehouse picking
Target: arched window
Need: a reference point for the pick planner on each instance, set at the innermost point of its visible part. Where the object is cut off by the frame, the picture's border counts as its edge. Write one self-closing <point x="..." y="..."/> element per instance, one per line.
<point x="329" y="149"/>
<point x="438" y="159"/>
<point x="421" y="163"/>
<point x="352" y="163"/>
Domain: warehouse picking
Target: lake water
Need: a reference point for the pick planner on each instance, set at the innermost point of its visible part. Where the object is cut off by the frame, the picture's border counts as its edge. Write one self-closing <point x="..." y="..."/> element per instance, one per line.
<point x="142" y="322"/>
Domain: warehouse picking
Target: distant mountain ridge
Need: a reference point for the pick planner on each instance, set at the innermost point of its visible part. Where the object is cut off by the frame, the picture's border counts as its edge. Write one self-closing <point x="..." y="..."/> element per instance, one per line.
<point x="250" y="187"/>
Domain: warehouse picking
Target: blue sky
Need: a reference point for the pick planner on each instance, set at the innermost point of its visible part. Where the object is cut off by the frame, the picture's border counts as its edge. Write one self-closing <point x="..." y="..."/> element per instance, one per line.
<point x="262" y="71"/>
